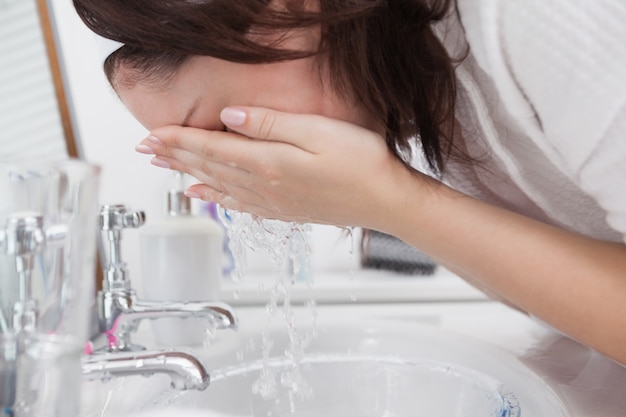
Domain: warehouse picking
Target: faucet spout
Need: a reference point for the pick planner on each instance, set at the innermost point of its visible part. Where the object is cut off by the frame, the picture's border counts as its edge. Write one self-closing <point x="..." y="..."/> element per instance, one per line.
<point x="121" y="312"/>
<point x="220" y="315"/>
<point x="185" y="371"/>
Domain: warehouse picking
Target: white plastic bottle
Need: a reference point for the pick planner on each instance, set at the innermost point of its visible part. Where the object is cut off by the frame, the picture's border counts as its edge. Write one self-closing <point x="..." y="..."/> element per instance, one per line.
<point x="181" y="260"/>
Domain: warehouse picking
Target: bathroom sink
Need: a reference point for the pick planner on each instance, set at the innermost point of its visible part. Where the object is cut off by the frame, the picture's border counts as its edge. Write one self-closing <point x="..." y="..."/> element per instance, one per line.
<point x="347" y="386"/>
<point x="353" y="361"/>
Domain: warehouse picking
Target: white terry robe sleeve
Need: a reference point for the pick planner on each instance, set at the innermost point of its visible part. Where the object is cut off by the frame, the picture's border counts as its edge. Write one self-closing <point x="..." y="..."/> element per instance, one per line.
<point x="560" y="66"/>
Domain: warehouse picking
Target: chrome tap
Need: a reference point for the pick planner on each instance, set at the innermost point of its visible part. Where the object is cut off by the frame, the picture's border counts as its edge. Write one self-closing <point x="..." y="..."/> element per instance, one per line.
<point x="185" y="371"/>
<point x="120" y="311"/>
<point x="112" y="352"/>
<point x="129" y="311"/>
<point x="23" y="237"/>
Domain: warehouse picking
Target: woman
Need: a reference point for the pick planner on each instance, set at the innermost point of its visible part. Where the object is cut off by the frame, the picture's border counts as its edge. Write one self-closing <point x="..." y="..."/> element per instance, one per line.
<point x="318" y="111"/>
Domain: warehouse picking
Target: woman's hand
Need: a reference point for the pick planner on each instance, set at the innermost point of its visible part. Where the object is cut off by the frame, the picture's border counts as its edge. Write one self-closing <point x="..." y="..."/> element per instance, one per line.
<point x="295" y="167"/>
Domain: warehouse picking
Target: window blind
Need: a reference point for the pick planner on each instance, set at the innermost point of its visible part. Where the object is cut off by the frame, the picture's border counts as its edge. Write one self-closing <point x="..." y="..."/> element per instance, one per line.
<point x="30" y="122"/>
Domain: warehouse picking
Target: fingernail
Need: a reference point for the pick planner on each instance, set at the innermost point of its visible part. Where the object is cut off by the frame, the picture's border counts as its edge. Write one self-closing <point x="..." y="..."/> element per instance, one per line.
<point x="154" y="139"/>
<point x="192" y="194"/>
<point x="233" y="117"/>
<point x="144" y="149"/>
<point x="161" y="163"/>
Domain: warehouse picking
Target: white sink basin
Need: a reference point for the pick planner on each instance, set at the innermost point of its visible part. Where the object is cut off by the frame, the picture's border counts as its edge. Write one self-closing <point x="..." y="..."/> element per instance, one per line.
<point x="347" y="386"/>
<point x="359" y="364"/>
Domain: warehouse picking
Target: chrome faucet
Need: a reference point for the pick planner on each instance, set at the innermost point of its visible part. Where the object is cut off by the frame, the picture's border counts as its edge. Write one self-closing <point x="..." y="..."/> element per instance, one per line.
<point x="120" y="312"/>
<point x="184" y="370"/>
<point x="119" y="309"/>
<point x="24" y="237"/>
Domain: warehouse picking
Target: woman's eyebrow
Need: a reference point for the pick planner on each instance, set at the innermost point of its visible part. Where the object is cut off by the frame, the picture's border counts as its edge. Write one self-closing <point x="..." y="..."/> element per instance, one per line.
<point x="191" y="112"/>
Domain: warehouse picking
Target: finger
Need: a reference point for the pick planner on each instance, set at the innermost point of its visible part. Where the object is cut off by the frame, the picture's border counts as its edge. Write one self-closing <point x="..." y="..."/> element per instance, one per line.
<point x="227" y="148"/>
<point x="241" y="185"/>
<point x="272" y="125"/>
<point x="226" y="179"/>
<point x="233" y="201"/>
<point x="216" y="174"/>
<point x="212" y="145"/>
<point x="239" y="195"/>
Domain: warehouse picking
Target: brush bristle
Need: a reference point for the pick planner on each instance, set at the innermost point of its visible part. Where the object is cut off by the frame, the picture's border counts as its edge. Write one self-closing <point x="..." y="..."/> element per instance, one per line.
<point x="385" y="252"/>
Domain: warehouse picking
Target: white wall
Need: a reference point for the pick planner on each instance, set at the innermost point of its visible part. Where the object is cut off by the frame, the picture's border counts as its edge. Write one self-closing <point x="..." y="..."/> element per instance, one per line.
<point x="108" y="134"/>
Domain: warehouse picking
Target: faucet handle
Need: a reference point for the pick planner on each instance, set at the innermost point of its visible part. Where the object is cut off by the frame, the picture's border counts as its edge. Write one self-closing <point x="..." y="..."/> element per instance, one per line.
<point x="24" y="234"/>
<point x="113" y="219"/>
<point x="118" y="216"/>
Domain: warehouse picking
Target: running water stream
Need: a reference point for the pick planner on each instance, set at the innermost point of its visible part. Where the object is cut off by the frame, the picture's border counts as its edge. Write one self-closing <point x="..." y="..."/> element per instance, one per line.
<point x="287" y="245"/>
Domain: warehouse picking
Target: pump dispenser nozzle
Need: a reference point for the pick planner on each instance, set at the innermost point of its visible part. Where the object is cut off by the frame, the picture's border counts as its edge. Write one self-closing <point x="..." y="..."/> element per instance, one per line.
<point x="178" y="204"/>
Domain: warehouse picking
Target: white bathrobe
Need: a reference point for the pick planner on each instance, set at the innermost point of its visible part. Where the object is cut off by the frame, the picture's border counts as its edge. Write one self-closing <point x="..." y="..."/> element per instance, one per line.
<point x="542" y="105"/>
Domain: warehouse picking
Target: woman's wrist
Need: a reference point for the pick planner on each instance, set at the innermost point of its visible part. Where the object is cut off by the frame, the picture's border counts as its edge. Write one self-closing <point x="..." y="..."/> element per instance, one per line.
<point x="406" y="202"/>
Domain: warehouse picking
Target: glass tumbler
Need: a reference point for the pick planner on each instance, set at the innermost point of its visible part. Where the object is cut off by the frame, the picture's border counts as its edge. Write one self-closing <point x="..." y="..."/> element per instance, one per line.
<point x="48" y="232"/>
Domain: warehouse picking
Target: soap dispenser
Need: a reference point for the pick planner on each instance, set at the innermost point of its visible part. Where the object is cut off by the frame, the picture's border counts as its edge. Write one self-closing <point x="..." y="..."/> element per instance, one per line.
<point x="181" y="260"/>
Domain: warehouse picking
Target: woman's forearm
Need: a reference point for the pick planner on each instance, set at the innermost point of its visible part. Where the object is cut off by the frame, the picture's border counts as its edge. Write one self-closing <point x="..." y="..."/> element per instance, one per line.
<point x="575" y="283"/>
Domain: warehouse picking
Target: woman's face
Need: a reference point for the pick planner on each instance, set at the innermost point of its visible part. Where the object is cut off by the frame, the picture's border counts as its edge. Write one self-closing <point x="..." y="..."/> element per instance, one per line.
<point x="203" y="86"/>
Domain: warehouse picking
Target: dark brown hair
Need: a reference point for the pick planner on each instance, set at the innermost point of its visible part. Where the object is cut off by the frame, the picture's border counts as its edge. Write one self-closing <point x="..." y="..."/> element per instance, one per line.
<point x="382" y="53"/>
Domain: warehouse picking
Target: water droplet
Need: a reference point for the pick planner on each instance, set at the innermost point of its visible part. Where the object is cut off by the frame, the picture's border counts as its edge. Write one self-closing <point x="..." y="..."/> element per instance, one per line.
<point x="209" y="335"/>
